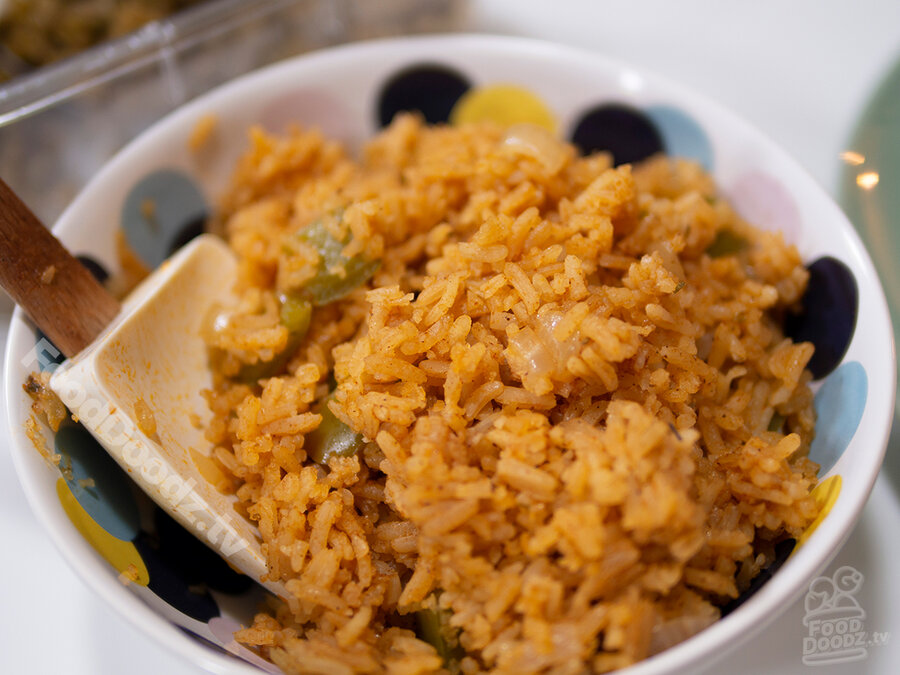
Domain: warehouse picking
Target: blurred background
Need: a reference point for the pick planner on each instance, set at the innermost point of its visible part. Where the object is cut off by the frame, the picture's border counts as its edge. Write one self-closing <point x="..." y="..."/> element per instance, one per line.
<point x="81" y="78"/>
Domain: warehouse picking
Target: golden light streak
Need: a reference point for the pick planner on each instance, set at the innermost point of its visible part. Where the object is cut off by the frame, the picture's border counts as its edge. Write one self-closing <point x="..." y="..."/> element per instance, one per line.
<point x="852" y="158"/>
<point x="867" y="180"/>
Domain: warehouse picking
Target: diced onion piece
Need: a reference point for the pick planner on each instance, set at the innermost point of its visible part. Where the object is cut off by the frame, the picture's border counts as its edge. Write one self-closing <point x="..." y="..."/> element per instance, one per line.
<point x="535" y="141"/>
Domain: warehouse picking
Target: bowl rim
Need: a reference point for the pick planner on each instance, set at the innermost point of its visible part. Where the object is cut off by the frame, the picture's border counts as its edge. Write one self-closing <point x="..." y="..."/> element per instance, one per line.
<point x="714" y="642"/>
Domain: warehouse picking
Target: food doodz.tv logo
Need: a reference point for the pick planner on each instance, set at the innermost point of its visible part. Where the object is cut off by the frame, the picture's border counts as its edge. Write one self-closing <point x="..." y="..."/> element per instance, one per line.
<point x="835" y="620"/>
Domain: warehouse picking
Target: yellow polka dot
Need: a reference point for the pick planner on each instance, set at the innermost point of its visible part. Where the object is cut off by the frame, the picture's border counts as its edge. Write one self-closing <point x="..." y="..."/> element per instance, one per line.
<point x="120" y="554"/>
<point x="502" y="103"/>
<point x="825" y="494"/>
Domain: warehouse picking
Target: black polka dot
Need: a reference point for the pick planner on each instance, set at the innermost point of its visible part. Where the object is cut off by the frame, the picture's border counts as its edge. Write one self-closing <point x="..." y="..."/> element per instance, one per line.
<point x="198" y="564"/>
<point x="189" y="231"/>
<point x="430" y="89"/>
<point x="183" y="570"/>
<point x="828" y="314"/>
<point x="95" y="268"/>
<point x="168" y="582"/>
<point x="625" y="132"/>
<point x="783" y="549"/>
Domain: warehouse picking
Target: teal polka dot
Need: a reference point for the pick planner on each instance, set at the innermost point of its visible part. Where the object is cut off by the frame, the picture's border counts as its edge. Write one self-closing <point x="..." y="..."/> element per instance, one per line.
<point x="99" y="485"/>
<point x="839" y="406"/>
<point x="158" y="211"/>
<point x="682" y="136"/>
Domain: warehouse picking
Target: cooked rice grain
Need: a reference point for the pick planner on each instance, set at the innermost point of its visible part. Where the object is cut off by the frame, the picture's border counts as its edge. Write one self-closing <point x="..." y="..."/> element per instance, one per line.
<point x="582" y="433"/>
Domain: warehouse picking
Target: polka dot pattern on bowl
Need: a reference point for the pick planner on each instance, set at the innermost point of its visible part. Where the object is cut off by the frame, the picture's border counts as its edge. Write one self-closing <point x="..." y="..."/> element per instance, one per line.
<point x="839" y="403"/>
<point x="98" y="484"/>
<point x="164" y="210"/>
<point x="431" y="90"/>
<point x="826" y="494"/>
<point x="122" y="555"/>
<point x="440" y="94"/>
<point x="828" y="314"/>
<point x="761" y="200"/>
<point x="504" y="104"/>
<point x="681" y="135"/>
<point x="308" y="107"/>
<point x="783" y="551"/>
<point x="167" y="207"/>
<point x="141" y="542"/>
<point x="625" y="132"/>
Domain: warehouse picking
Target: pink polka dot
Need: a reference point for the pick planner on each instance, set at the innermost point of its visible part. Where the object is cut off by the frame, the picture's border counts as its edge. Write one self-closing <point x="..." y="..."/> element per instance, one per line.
<point x="763" y="202"/>
<point x="309" y="108"/>
<point x="223" y="630"/>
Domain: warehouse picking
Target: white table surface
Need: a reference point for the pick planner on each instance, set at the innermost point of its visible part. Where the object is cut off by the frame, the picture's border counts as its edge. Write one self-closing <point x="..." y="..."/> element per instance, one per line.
<point x="800" y="70"/>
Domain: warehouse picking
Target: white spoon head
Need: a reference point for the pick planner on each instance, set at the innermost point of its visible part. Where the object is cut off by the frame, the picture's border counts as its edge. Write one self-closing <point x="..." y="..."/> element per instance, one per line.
<point x="153" y="355"/>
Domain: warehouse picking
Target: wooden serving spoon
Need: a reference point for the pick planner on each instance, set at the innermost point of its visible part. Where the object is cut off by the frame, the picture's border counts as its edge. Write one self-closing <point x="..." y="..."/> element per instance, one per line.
<point x="136" y="366"/>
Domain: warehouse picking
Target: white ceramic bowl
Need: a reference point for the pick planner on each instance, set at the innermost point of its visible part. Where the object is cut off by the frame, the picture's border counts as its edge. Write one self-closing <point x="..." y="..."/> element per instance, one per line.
<point x="346" y="91"/>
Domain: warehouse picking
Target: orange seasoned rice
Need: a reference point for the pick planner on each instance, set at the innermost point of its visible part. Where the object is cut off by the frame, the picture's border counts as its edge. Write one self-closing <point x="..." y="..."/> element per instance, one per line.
<point x="582" y="428"/>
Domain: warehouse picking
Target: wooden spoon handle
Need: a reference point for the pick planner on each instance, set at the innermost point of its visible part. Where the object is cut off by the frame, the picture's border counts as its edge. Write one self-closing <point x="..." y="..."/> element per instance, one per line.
<point x="49" y="283"/>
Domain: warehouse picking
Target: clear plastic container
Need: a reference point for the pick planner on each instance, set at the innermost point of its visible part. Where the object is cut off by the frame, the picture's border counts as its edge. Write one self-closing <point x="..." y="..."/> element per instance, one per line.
<point x="60" y="124"/>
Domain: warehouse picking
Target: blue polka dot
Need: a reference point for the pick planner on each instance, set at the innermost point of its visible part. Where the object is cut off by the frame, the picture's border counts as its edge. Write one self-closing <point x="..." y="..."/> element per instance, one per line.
<point x="682" y="136"/>
<point x="48" y="355"/>
<point x="839" y="406"/>
<point x="828" y="314"/>
<point x="108" y="500"/>
<point x="158" y="212"/>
